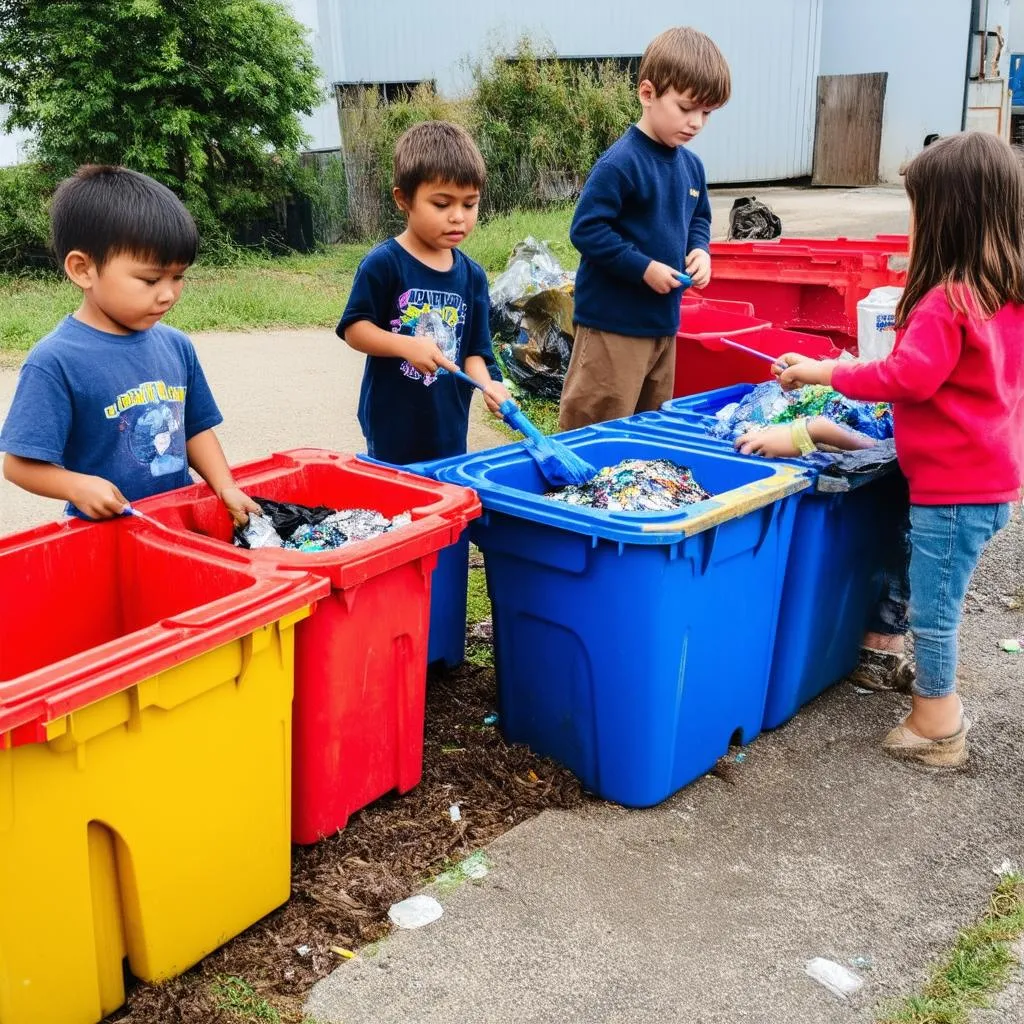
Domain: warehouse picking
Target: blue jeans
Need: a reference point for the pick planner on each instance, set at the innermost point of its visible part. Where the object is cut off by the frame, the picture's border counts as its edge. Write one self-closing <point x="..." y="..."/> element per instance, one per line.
<point x="946" y="542"/>
<point x="889" y="616"/>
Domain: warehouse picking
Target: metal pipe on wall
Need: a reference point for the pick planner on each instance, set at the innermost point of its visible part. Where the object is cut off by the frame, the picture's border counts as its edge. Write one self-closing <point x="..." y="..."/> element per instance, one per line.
<point x="972" y="27"/>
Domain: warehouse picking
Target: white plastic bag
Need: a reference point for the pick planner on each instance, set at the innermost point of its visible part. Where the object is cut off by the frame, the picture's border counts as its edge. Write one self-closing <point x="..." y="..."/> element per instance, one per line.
<point x="876" y="322"/>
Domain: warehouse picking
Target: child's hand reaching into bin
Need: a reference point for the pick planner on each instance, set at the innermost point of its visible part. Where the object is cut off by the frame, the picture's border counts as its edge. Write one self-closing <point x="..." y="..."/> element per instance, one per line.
<point x="794" y="371"/>
<point x="239" y="505"/>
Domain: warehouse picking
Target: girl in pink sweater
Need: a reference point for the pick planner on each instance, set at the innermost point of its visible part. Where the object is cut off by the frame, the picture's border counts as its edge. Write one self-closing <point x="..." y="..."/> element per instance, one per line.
<point x="956" y="383"/>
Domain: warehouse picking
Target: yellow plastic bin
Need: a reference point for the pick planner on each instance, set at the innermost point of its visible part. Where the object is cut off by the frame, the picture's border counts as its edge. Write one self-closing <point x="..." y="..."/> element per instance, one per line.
<point x="145" y="724"/>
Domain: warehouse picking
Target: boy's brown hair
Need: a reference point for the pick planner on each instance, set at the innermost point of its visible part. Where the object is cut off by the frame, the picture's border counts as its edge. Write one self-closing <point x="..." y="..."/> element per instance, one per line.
<point x="687" y="60"/>
<point x="437" y="151"/>
<point x="967" y="197"/>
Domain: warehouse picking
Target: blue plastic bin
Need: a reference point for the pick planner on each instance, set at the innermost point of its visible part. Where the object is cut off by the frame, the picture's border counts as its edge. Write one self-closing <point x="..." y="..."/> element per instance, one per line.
<point x="446" y="643"/>
<point x="633" y="648"/>
<point x="843" y="540"/>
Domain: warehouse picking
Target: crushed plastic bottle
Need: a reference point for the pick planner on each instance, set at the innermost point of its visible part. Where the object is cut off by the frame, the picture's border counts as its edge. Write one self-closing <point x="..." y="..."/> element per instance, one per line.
<point x="835" y="977"/>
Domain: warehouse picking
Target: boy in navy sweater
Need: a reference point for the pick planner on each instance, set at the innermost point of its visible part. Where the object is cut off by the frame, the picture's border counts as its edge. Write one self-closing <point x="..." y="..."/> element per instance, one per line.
<point x="411" y="408"/>
<point x="642" y="217"/>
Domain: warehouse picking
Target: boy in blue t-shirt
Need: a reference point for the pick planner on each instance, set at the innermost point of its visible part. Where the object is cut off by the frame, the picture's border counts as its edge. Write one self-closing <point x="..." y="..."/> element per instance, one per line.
<point x="419" y="308"/>
<point x="113" y="406"/>
<point x="642" y="217"/>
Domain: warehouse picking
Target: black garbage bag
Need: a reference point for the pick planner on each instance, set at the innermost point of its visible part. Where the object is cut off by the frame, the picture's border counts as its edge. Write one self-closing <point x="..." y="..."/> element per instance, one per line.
<point x="751" y="219"/>
<point x="283" y="517"/>
<point x="531" y="319"/>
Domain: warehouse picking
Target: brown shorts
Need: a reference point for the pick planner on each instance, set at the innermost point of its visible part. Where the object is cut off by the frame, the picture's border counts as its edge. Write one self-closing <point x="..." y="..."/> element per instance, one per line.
<point x="613" y="375"/>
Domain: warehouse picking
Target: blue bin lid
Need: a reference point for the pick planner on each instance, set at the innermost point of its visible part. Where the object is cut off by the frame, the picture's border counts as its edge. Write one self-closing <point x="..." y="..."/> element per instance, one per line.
<point x="428" y="469"/>
<point x="707" y="403"/>
<point x="508" y="481"/>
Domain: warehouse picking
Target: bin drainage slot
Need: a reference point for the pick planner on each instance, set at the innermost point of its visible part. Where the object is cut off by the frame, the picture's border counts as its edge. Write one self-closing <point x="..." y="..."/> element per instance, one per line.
<point x="708" y="538"/>
<point x="767" y="518"/>
<point x="736" y="739"/>
<point x="108" y="917"/>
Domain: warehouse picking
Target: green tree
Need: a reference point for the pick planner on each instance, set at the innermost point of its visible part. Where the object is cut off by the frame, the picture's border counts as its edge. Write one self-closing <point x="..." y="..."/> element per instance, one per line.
<point x="203" y="95"/>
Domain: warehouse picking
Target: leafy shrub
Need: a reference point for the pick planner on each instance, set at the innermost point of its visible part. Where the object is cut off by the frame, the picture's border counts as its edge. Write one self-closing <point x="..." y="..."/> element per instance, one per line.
<point x="25" y="193"/>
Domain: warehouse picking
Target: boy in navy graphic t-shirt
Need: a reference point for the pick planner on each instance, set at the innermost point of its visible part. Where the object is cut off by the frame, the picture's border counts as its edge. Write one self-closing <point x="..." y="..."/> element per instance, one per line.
<point x="113" y="405"/>
<point x="420" y="308"/>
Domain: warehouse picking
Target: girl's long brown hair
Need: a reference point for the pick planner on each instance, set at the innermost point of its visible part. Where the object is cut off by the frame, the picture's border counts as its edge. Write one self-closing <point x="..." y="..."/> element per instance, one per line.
<point x="967" y="199"/>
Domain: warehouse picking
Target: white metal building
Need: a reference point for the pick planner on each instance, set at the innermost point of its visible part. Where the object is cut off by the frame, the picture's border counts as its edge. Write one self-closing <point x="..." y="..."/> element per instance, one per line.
<point x="776" y="49"/>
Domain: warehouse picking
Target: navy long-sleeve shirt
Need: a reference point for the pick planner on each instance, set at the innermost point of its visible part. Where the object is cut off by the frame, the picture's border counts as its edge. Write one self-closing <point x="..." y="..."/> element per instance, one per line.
<point x="643" y="201"/>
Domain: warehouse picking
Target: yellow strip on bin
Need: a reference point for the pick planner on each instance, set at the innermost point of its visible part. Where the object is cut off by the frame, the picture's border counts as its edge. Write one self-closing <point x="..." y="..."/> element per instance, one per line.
<point x="150" y="826"/>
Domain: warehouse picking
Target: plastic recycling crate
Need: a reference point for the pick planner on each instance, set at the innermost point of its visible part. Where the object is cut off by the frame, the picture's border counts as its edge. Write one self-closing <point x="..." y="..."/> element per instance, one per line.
<point x="845" y="527"/>
<point x="145" y="728"/>
<point x="616" y="633"/>
<point x="700" y="367"/>
<point x="807" y="284"/>
<point x="361" y="662"/>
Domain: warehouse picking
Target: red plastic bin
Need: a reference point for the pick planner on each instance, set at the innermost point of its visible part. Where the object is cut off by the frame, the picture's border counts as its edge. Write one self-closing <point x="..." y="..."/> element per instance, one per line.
<point x="810" y="284"/>
<point x="361" y="661"/>
<point x="855" y="248"/>
<point x="692" y="302"/>
<point x="700" y="368"/>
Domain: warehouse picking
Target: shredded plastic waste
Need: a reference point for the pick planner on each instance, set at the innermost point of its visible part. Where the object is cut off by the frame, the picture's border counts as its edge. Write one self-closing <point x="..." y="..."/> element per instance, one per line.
<point x="635" y="485"/>
<point x="768" y="405"/>
<point x="345" y="527"/>
<point x="313" y="529"/>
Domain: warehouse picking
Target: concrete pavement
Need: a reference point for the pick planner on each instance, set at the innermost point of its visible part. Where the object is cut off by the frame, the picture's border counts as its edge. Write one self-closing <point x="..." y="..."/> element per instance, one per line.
<point x="706" y="909"/>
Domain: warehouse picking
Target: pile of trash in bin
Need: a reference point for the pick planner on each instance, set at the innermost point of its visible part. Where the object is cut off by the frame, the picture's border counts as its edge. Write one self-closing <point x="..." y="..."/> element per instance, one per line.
<point x="313" y="528"/>
<point x="636" y="485"/>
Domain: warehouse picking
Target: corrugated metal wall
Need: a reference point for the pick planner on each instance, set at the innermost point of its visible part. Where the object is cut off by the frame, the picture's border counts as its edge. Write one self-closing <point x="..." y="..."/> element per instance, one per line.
<point x="765" y="132"/>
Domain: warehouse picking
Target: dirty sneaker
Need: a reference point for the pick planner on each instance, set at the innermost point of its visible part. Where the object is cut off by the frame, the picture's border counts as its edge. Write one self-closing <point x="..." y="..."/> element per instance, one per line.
<point x="883" y="671"/>
<point x="949" y="752"/>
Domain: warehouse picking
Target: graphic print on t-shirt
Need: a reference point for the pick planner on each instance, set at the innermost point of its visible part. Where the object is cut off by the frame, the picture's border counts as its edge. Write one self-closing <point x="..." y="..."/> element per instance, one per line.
<point x="449" y="306"/>
<point x="152" y="416"/>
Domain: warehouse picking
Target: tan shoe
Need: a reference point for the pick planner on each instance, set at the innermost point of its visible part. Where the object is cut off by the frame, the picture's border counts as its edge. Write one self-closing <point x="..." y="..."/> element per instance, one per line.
<point x="949" y="752"/>
<point x="882" y="671"/>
